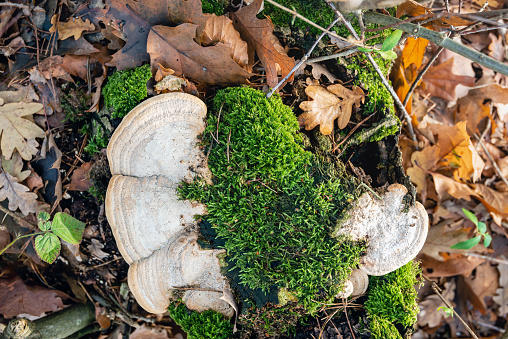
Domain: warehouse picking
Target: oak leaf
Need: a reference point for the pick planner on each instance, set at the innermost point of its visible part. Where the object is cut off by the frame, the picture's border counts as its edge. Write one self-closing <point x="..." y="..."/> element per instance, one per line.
<point x="328" y="104"/>
<point x="220" y="29"/>
<point x="19" y="196"/>
<point x="16" y="298"/>
<point x="441" y="82"/>
<point x="73" y="27"/>
<point x="174" y="47"/>
<point x="14" y="166"/>
<point x="484" y="283"/>
<point x="17" y="132"/>
<point x="259" y="35"/>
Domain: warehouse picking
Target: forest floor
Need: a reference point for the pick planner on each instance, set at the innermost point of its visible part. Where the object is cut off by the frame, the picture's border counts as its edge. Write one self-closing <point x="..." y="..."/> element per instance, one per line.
<point x="57" y="56"/>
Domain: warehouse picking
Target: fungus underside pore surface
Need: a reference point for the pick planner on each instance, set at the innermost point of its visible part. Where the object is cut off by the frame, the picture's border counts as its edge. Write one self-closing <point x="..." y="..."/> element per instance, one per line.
<point x="272" y="202"/>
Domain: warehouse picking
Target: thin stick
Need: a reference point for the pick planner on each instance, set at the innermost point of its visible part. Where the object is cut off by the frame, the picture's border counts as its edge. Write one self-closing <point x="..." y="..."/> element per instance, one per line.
<point x="299" y="16"/>
<point x="496" y="168"/>
<point x="436" y="289"/>
<point x="347" y="52"/>
<point x="378" y="71"/>
<point x="352" y="131"/>
<point x="499" y="261"/>
<point x="421" y="74"/>
<point x="439" y="40"/>
<point x="302" y="61"/>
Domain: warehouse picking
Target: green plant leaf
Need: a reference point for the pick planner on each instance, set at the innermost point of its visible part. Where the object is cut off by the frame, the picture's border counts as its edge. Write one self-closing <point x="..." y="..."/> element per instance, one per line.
<point x="47" y="247"/>
<point x="391" y="40"/>
<point x="68" y="228"/>
<point x="482" y="228"/>
<point x="468" y="244"/>
<point x="487" y="240"/>
<point x="389" y="55"/>
<point x="447" y="310"/>
<point x="45" y="225"/>
<point x="366" y="50"/>
<point x="43" y="216"/>
<point x="470" y="216"/>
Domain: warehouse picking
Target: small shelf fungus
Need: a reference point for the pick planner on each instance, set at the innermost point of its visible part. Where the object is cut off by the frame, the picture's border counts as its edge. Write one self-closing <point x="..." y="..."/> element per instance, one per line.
<point x="150" y="153"/>
<point x="394" y="236"/>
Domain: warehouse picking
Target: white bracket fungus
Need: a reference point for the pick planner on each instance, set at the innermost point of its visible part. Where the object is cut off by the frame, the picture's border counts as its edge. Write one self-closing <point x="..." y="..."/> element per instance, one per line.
<point x="393" y="236"/>
<point x="150" y="153"/>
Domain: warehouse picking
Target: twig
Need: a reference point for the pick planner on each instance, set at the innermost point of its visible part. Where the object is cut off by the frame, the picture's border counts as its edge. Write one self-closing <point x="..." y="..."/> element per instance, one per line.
<point x="378" y="71"/>
<point x="439" y="40"/>
<point x="496" y="168"/>
<point x="436" y="289"/>
<point x="347" y="318"/>
<point x="421" y="74"/>
<point x="10" y="23"/>
<point x="302" y="61"/>
<point x="352" y="131"/>
<point x="299" y="16"/>
<point x="499" y="261"/>
<point x="344" y="53"/>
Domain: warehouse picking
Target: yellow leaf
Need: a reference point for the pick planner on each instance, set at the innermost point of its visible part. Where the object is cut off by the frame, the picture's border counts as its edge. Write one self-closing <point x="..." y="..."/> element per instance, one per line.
<point x="74" y="27"/>
<point x="328" y="104"/>
<point x="413" y="52"/>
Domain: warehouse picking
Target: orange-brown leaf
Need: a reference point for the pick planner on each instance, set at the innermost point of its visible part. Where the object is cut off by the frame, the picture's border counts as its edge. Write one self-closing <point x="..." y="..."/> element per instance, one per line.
<point x="495" y="202"/>
<point x="220" y="29"/>
<point x="174" y="47"/>
<point x="259" y="34"/>
<point x="73" y="27"/>
<point x="334" y="102"/>
<point x="454" y="264"/>
<point x="411" y="8"/>
<point x="400" y="83"/>
<point x="413" y="52"/>
<point x="441" y="82"/>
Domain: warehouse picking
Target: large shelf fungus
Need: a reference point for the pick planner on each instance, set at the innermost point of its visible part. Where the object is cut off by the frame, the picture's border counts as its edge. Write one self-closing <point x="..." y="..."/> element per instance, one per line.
<point x="151" y="152"/>
<point x="394" y="236"/>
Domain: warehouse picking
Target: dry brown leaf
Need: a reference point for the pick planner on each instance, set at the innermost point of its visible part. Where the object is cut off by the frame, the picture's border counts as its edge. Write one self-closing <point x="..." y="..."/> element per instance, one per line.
<point x="259" y="36"/>
<point x="429" y="315"/>
<point x="401" y="78"/>
<point x="73" y="27"/>
<point x="19" y="196"/>
<point x="17" y="132"/>
<point x="440" y="240"/>
<point x="116" y="38"/>
<point x="439" y="81"/>
<point x="95" y="249"/>
<point x="52" y="68"/>
<point x="175" y="48"/>
<point x="17" y="298"/>
<point x="473" y="106"/>
<point x="445" y="185"/>
<point x="413" y="8"/>
<point x="170" y="83"/>
<point x="220" y="29"/>
<point x="495" y="202"/>
<point x="162" y="72"/>
<point x="14" y="166"/>
<point x="145" y="332"/>
<point x="455" y="264"/>
<point x="23" y="93"/>
<point x="80" y="180"/>
<point x="484" y="283"/>
<point x="328" y="104"/>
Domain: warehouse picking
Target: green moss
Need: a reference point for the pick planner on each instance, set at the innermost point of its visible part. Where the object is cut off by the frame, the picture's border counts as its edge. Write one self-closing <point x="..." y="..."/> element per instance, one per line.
<point x="314" y="10"/>
<point x="381" y="328"/>
<point x="214" y="6"/>
<point x="98" y="138"/>
<point x="126" y="89"/>
<point x="392" y="299"/>
<point x="208" y="324"/>
<point x="273" y="203"/>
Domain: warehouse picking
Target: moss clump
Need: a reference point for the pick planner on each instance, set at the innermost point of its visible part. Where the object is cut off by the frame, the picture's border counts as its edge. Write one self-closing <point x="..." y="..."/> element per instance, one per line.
<point x="208" y="324"/>
<point x="393" y="301"/>
<point x="273" y="203"/>
<point x="216" y="7"/>
<point x="126" y="89"/>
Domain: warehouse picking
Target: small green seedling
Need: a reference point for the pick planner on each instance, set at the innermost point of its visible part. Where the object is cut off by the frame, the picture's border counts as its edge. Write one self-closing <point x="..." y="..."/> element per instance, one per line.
<point x="480" y="228"/>
<point x="47" y="242"/>
<point x="386" y="49"/>
<point x="448" y="311"/>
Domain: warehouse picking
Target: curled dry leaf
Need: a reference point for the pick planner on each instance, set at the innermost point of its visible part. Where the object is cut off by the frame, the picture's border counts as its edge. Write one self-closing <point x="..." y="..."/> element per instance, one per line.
<point x="328" y="104"/>
<point x="259" y="35"/>
<point x="170" y="83"/>
<point x="17" y="132"/>
<point x="162" y="72"/>
<point x="19" y="196"/>
<point x="220" y="29"/>
<point x="80" y="180"/>
<point x="73" y="27"/>
<point x="175" y="48"/>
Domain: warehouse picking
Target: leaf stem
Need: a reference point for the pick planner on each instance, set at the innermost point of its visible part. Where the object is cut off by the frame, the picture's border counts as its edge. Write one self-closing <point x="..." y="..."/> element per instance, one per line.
<point x="16" y="239"/>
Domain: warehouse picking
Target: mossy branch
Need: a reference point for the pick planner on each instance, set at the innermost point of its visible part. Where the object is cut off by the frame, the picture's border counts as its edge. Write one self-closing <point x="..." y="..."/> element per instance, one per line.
<point x="439" y="40"/>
